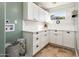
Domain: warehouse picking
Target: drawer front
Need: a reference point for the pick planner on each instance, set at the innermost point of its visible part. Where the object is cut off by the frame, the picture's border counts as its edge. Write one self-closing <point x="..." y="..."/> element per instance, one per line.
<point x="36" y="48"/>
<point x="39" y="37"/>
<point x="36" y="40"/>
<point x="38" y="34"/>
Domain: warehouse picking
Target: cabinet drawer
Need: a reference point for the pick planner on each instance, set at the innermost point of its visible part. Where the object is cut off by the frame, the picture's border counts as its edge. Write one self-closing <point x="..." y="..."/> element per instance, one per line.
<point x="39" y="46"/>
<point x="37" y="37"/>
<point x="36" y="48"/>
<point x="40" y="39"/>
<point x="36" y="40"/>
<point x="37" y="34"/>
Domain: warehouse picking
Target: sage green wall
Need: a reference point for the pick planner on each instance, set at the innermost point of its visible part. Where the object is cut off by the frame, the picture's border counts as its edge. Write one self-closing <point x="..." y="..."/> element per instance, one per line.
<point x="14" y="12"/>
<point x="1" y="28"/>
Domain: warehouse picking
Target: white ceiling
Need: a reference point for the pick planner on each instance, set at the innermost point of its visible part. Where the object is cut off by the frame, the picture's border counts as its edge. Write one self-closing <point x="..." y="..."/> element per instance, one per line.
<point x="50" y="5"/>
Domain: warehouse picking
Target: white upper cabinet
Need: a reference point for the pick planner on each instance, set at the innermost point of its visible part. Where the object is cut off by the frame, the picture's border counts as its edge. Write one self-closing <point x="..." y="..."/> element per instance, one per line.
<point x="33" y="12"/>
<point x="28" y="11"/>
<point x="41" y="14"/>
<point x="45" y="15"/>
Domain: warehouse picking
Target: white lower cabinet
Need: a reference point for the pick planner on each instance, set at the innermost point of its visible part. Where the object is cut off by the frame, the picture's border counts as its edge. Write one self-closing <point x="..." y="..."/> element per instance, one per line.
<point x="56" y="37"/>
<point x="40" y="42"/>
<point x="63" y="38"/>
<point x="36" y="48"/>
<point x="51" y="37"/>
<point x="35" y="41"/>
<point x="68" y="39"/>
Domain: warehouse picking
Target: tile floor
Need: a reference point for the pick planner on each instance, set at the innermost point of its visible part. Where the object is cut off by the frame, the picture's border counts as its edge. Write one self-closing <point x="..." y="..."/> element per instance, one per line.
<point x="52" y="51"/>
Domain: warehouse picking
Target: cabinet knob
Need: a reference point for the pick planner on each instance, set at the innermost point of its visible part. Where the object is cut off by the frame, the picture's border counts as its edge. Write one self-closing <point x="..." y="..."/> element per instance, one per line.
<point x="37" y="46"/>
<point x="68" y="32"/>
<point x="45" y="31"/>
<point x="55" y="30"/>
<point x="36" y="32"/>
<point x="37" y="38"/>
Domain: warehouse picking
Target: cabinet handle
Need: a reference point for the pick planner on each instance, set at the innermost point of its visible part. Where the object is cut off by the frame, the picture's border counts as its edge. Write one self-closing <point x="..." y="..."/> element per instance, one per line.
<point x="37" y="46"/>
<point x="37" y="38"/>
<point x="55" y="30"/>
<point x="36" y="32"/>
<point x="6" y="28"/>
<point x="68" y="32"/>
<point x="45" y="31"/>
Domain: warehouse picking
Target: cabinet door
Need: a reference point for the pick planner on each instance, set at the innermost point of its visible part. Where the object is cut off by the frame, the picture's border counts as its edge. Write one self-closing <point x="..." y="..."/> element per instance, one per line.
<point x="45" y="36"/>
<point x="35" y="12"/>
<point x="68" y="39"/>
<point x="36" y="48"/>
<point x="46" y="16"/>
<point x="58" y="38"/>
<point x="42" y="14"/>
<point x="30" y="11"/>
<point x="51" y="37"/>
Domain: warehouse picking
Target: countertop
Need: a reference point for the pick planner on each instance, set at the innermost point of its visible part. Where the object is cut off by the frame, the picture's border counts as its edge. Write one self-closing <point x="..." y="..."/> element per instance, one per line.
<point x="38" y="30"/>
<point x="35" y="30"/>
